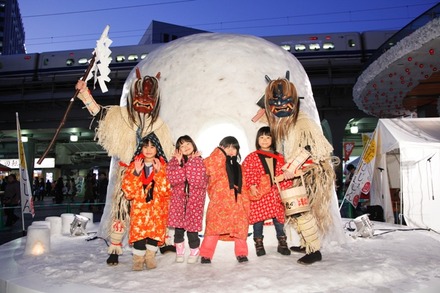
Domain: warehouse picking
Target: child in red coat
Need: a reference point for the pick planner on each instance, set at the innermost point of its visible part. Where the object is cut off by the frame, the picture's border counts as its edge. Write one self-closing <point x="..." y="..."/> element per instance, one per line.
<point x="187" y="175"/>
<point x="146" y="186"/>
<point x="227" y="217"/>
<point x="260" y="168"/>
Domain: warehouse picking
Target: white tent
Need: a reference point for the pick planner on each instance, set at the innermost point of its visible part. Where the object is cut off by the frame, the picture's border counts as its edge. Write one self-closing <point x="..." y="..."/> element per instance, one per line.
<point x="408" y="158"/>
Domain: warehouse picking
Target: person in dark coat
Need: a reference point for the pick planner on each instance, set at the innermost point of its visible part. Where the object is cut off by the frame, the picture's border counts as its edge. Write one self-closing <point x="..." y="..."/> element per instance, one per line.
<point x="11" y="199"/>
<point x="59" y="186"/>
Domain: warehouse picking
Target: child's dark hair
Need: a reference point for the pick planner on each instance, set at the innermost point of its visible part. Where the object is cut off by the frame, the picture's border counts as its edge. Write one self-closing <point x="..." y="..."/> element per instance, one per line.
<point x="265" y="130"/>
<point x="233" y="142"/>
<point x="147" y="142"/>
<point x="185" y="138"/>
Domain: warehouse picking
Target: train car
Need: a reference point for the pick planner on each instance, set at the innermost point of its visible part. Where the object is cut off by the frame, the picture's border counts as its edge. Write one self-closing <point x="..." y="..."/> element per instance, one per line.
<point x="122" y="57"/>
<point x="18" y="65"/>
<point x="372" y="40"/>
<point x="307" y="46"/>
<point x="314" y="50"/>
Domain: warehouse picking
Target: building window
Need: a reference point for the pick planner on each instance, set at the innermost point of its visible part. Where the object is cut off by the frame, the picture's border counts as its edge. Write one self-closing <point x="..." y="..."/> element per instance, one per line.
<point x="300" y="47"/>
<point x="314" y="47"/>
<point x="328" y="46"/>
<point x="120" y="58"/>
<point x="132" y="57"/>
<point x="83" y="61"/>
<point x="70" y="62"/>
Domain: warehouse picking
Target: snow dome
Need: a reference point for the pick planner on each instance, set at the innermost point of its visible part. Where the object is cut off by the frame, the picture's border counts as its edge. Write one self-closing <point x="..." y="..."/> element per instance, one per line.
<point x="210" y="84"/>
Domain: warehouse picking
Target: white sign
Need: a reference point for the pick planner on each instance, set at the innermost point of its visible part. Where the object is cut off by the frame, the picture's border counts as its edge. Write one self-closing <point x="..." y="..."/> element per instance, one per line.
<point x="15" y="163"/>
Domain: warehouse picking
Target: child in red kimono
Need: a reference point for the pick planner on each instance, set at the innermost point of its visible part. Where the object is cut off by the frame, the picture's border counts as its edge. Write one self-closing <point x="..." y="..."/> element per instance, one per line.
<point x="227" y="217"/>
<point x="260" y="169"/>
<point x="187" y="175"/>
<point x="146" y="186"/>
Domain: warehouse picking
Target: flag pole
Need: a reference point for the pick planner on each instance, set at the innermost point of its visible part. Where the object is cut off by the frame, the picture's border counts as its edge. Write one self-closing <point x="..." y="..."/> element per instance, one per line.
<point x="26" y="202"/>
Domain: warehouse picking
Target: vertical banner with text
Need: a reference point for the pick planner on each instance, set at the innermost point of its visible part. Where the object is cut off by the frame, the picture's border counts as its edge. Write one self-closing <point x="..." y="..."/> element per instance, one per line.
<point x="361" y="181"/>
<point x="27" y="204"/>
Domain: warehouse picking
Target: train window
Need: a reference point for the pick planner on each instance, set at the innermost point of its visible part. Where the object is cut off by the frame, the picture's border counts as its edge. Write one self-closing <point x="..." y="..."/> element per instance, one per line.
<point x="46" y="61"/>
<point x="286" y="47"/>
<point x="120" y="58"/>
<point x="300" y="47"/>
<point x="70" y="62"/>
<point x="314" y="47"/>
<point x="132" y="57"/>
<point x="83" y="61"/>
<point x="351" y="43"/>
<point x="328" y="46"/>
<point x="144" y="55"/>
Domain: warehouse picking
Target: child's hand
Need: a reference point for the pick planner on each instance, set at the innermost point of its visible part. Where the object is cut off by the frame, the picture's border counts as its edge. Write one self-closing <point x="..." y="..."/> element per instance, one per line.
<point x="138" y="164"/>
<point x="288" y="175"/>
<point x="178" y="155"/>
<point x="254" y="191"/>
<point x="156" y="165"/>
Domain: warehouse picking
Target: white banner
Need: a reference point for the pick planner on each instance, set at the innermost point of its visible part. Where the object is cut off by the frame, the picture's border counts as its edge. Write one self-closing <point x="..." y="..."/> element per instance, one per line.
<point x="361" y="181"/>
<point x="27" y="204"/>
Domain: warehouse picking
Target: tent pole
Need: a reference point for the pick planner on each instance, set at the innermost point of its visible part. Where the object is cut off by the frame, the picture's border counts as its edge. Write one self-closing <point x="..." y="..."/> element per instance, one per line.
<point x="401" y="208"/>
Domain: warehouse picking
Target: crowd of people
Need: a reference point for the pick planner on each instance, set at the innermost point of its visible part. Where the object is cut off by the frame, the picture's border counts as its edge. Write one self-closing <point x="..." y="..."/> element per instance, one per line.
<point x="60" y="191"/>
<point x="63" y="190"/>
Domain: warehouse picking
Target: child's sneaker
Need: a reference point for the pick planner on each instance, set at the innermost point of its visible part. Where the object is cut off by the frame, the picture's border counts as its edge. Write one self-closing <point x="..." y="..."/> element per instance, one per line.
<point x="180" y="252"/>
<point x="193" y="255"/>
<point x="242" y="258"/>
<point x="205" y="260"/>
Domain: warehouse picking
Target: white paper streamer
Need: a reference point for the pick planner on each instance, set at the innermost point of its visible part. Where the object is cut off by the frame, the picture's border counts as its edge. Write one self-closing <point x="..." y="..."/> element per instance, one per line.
<point x="100" y="69"/>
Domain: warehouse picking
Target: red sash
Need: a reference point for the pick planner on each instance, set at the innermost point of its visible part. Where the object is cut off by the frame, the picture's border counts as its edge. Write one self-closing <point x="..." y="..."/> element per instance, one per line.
<point x="277" y="157"/>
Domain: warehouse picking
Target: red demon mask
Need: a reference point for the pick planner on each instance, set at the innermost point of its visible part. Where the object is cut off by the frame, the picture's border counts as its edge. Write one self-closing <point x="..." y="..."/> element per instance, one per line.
<point x="145" y="93"/>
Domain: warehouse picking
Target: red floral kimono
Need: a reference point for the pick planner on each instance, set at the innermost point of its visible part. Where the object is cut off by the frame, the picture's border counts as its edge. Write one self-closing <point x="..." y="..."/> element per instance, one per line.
<point x="147" y="219"/>
<point x="225" y="216"/>
<point x="269" y="205"/>
<point x="186" y="210"/>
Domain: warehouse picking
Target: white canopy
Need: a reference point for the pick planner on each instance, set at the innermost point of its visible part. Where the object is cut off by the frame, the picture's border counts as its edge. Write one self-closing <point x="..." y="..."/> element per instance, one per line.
<point x="408" y="158"/>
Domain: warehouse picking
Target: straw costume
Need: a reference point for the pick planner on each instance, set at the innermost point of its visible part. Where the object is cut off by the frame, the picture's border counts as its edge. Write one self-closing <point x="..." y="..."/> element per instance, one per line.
<point x="297" y="133"/>
<point x="120" y="131"/>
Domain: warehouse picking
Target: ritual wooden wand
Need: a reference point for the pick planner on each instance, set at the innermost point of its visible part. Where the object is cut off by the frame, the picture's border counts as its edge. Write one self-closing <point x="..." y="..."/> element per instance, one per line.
<point x="100" y="54"/>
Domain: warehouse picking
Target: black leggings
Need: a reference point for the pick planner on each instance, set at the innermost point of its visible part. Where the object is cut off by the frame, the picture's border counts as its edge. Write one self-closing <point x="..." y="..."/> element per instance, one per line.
<point x="141" y="244"/>
<point x="193" y="237"/>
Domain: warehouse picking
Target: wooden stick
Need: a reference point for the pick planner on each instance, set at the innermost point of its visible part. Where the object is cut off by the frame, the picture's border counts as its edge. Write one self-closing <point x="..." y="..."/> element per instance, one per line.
<point x="69" y="107"/>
